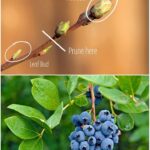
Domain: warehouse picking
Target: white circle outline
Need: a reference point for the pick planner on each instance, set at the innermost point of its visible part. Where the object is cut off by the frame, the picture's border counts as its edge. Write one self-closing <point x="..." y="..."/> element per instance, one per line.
<point x="13" y="61"/>
<point x="105" y="18"/>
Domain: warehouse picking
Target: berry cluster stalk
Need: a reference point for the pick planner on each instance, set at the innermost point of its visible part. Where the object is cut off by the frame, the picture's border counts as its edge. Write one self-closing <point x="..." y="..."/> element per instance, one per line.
<point x="93" y="101"/>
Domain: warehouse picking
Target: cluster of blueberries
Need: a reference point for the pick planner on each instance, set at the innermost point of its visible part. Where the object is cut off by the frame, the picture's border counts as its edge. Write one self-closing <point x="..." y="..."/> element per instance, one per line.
<point x="100" y="135"/>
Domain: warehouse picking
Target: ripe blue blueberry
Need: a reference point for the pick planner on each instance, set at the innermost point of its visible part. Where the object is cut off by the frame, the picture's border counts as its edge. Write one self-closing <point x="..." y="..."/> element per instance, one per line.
<point x="98" y="147"/>
<point x="78" y="129"/>
<point x="92" y="140"/>
<point x="85" y="118"/>
<point x="107" y="144"/>
<point x="115" y="130"/>
<point x="116" y="139"/>
<point x="92" y="148"/>
<point x="97" y="125"/>
<point x="112" y="119"/>
<point x="107" y="128"/>
<point x="99" y="137"/>
<point x="76" y="120"/>
<point x="84" y="145"/>
<point x="105" y="115"/>
<point x="74" y="145"/>
<point x="89" y="130"/>
<point x="72" y="135"/>
<point x="79" y="136"/>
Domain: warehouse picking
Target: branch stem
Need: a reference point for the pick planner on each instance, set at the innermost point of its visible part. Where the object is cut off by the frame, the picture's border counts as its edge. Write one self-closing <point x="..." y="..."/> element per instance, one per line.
<point x="112" y="109"/>
<point x="93" y="101"/>
<point x="36" y="52"/>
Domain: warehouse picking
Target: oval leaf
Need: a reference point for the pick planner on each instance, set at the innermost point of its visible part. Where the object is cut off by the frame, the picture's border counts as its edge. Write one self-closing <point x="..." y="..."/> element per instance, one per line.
<point x="129" y="84"/>
<point x="27" y="111"/>
<point x="54" y="120"/>
<point x="72" y="83"/>
<point x="34" y="144"/>
<point x="125" y="122"/>
<point x="21" y="127"/>
<point x="140" y="134"/>
<point x="107" y="81"/>
<point x="114" y="95"/>
<point x="31" y="113"/>
<point x="132" y="107"/>
<point x="143" y="84"/>
<point x="45" y="93"/>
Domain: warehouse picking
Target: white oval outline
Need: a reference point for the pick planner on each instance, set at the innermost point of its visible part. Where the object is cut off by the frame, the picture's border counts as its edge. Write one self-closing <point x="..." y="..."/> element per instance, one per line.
<point x="12" y="61"/>
<point x="105" y="18"/>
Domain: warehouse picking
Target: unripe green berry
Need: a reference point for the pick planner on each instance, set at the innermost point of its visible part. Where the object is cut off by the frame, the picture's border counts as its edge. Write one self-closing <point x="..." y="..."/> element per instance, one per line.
<point x="101" y="8"/>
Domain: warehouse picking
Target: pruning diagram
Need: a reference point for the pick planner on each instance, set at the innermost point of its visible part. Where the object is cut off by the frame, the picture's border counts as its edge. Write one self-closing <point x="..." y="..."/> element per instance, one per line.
<point x="96" y="12"/>
<point x="75" y="75"/>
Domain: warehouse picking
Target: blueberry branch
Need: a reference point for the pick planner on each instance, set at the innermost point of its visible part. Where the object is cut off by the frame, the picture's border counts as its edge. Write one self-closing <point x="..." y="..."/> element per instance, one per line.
<point x="97" y="11"/>
<point x="93" y="101"/>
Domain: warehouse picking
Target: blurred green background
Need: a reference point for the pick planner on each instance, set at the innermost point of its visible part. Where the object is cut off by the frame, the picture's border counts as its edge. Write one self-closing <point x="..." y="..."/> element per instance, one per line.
<point x="17" y="89"/>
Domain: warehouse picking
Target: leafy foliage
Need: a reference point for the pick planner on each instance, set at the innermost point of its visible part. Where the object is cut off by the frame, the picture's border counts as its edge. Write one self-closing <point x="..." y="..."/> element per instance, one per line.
<point x="60" y="97"/>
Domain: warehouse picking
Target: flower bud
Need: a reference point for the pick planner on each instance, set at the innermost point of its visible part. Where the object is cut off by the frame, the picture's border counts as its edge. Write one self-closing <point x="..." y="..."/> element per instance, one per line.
<point x="62" y="28"/>
<point x="101" y="8"/>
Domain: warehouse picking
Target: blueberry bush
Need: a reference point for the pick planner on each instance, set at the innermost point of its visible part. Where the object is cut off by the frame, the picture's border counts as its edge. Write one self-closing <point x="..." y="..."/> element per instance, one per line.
<point x="75" y="112"/>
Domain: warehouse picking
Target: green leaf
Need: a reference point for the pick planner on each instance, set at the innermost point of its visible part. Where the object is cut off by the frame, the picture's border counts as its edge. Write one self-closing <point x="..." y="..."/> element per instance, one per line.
<point x="21" y="127"/>
<point x="129" y="84"/>
<point x="145" y="94"/>
<point x="31" y="113"/>
<point x="45" y="93"/>
<point x="81" y="101"/>
<point x="132" y="107"/>
<point x="141" y="116"/>
<point x="143" y="84"/>
<point x="54" y="120"/>
<point x="140" y="134"/>
<point x="108" y="81"/>
<point x="125" y="122"/>
<point x="72" y="83"/>
<point x="27" y="111"/>
<point x="34" y="144"/>
<point x="114" y="95"/>
<point x="142" y="147"/>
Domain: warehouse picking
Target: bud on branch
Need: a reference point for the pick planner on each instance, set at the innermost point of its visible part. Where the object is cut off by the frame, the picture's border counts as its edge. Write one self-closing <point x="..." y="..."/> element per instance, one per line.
<point x="17" y="54"/>
<point x="101" y="8"/>
<point x="96" y="12"/>
<point x="62" y="28"/>
<point x="45" y="51"/>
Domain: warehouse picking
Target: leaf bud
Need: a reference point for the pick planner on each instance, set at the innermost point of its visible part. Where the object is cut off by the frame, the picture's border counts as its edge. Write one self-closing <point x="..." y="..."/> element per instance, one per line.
<point x="101" y="8"/>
